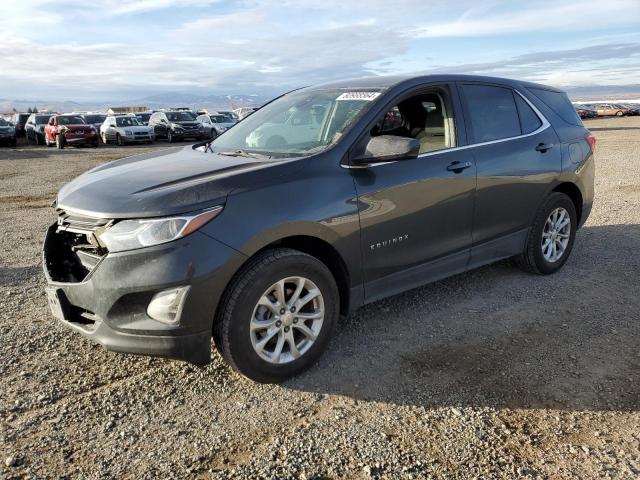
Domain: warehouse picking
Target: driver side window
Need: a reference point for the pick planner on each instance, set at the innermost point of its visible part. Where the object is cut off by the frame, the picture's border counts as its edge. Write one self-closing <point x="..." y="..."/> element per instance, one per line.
<point x="424" y="117"/>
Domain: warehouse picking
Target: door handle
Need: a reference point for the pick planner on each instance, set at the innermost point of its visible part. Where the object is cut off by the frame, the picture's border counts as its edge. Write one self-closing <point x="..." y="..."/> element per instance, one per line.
<point x="457" y="167"/>
<point x="543" y="147"/>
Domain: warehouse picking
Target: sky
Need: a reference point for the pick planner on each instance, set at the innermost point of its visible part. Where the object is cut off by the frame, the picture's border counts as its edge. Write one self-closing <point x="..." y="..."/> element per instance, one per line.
<point x="129" y="49"/>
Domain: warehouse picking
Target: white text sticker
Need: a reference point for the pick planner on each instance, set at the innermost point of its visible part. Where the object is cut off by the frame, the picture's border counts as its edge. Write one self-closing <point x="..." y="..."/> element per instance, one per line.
<point x="366" y="96"/>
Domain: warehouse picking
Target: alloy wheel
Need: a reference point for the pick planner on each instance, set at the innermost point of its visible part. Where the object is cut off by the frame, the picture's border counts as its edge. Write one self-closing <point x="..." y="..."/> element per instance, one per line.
<point x="556" y="234"/>
<point x="287" y="320"/>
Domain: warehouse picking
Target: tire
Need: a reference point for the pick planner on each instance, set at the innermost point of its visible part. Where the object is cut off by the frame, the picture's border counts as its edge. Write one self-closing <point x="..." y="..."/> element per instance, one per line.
<point x="239" y="305"/>
<point x="533" y="258"/>
<point x="95" y="143"/>
<point x="37" y="139"/>
<point x="119" y="140"/>
<point x="60" y="142"/>
<point x="46" y="140"/>
<point x="170" y="137"/>
<point x="619" y="113"/>
<point x="104" y="139"/>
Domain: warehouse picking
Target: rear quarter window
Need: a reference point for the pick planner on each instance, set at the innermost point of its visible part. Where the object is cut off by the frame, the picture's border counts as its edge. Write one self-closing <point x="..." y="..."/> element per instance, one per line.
<point x="559" y="103"/>
<point x="492" y="112"/>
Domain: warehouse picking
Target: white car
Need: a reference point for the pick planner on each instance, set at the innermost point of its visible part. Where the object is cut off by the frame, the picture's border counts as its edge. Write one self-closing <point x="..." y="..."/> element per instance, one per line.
<point x="215" y="124"/>
<point x="123" y="129"/>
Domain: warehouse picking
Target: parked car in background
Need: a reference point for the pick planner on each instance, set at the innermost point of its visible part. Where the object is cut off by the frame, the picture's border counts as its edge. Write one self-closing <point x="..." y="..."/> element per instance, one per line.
<point x="633" y="109"/>
<point x="215" y="124"/>
<point x="585" y="112"/>
<point x="177" y="125"/>
<point x="264" y="248"/>
<point x="244" y="112"/>
<point x="143" y="117"/>
<point x="610" y="109"/>
<point x="7" y="133"/>
<point x="122" y="129"/>
<point x="233" y="116"/>
<point x="19" y="121"/>
<point x="95" y="119"/>
<point x="34" y="128"/>
<point x="67" y="129"/>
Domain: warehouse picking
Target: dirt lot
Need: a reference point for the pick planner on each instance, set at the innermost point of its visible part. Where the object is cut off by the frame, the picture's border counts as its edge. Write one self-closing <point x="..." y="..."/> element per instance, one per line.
<point x="490" y="374"/>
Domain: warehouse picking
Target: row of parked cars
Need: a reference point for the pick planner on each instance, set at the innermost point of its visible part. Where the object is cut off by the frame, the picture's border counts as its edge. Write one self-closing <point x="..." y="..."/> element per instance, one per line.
<point x="607" y="110"/>
<point x="91" y="129"/>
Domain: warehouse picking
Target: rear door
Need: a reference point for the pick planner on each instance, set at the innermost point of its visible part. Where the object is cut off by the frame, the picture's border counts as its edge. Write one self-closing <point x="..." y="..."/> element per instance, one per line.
<point x="416" y="214"/>
<point x="518" y="156"/>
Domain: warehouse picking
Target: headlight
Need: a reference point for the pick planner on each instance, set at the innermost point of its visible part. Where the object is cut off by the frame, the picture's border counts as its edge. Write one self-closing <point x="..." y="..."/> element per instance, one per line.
<point x="132" y="234"/>
<point x="175" y="126"/>
<point x="128" y="133"/>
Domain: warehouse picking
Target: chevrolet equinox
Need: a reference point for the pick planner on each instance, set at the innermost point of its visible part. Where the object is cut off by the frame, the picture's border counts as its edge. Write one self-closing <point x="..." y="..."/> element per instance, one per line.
<point x="325" y="199"/>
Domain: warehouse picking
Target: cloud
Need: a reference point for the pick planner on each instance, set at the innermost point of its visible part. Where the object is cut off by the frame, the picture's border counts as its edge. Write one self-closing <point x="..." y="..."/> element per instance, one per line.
<point x="547" y="16"/>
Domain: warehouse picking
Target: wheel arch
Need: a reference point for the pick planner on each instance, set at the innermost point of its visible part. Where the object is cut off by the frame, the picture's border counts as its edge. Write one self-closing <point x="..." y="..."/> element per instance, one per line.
<point x="573" y="192"/>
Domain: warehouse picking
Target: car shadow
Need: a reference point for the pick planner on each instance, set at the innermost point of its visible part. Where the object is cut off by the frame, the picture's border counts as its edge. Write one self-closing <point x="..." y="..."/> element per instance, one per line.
<point x="603" y="129"/>
<point x="499" y="337"/>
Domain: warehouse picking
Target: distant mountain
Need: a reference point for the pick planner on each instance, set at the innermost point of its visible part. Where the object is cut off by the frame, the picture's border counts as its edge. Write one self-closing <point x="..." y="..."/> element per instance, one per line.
<point x="603" y="92"/>
<point x="160" y="100"/>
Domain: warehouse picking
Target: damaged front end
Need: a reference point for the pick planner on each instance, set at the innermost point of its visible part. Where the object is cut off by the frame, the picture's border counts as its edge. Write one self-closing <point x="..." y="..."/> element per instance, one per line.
<point x="71" y="249"/>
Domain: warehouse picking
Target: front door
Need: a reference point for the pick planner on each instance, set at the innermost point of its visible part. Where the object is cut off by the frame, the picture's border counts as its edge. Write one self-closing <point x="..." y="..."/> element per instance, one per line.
<point x="416" y="214"/>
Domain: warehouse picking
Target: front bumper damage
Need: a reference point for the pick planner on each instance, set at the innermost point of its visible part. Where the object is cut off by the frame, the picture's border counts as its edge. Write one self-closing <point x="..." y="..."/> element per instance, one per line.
<point x="104" y="296"/>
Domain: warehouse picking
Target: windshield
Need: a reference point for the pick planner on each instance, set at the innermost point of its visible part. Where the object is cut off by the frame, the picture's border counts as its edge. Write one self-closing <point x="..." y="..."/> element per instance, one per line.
<point x="297" y="124"/>
<point x="127" y="122"/>
<point x="70" y="121"/>
<point x="181" y="116"/>
<point x="219" y="119"/>
<point x="94" y="118"/>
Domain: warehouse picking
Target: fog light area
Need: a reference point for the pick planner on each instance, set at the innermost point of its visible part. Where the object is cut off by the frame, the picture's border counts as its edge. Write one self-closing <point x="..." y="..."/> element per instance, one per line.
<point x="166" y="306"/>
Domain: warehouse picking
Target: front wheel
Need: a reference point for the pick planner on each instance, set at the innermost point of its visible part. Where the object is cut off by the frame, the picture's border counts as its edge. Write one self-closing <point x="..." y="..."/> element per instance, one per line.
<point x="119" y="140"/>
<point x="551" y="236"/>
<point x="277" y="314"/>
<point x="170" y="138"/>
<point x="619" y="113"/>
<point x="60" y="141"/>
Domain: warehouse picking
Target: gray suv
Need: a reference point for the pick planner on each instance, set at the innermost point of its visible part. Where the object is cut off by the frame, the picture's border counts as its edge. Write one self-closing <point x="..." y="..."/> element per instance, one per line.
<point x="325" y="199"/>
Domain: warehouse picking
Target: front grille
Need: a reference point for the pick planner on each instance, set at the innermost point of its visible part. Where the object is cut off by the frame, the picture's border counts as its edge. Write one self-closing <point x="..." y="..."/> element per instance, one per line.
<point x="71" y="249"/>
<point x="73" y="222"/>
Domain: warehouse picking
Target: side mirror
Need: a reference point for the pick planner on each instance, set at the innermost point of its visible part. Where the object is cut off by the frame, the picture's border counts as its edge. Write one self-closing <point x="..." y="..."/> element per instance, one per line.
<point x="387" y="148"/>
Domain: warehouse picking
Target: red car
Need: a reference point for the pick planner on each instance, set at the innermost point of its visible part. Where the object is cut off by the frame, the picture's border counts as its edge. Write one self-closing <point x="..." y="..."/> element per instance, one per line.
<point x="65" y="130"/>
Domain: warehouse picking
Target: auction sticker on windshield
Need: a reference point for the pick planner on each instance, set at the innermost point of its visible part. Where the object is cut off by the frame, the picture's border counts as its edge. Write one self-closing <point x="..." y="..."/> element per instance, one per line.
<point x="367" y="96"/>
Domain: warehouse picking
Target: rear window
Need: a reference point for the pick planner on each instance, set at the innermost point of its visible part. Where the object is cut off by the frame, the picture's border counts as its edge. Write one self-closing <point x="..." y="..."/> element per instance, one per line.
<point x="529" y="121"/>
<point x="492" y="111"/>
<point x="559" y="103"/>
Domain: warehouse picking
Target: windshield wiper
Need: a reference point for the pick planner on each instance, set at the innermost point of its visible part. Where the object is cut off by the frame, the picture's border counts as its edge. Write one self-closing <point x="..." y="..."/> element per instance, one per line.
<point x="244" y="153"/>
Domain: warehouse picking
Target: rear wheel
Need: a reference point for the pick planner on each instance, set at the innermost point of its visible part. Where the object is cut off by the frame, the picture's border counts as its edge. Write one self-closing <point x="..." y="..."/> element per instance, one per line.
<point x="277" y="315"/>
<point x="619" y="113"/>
<point x="551" y="236"/>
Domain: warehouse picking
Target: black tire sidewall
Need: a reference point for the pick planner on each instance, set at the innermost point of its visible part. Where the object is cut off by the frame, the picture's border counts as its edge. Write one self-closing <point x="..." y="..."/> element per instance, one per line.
<point x="60" y="141"/>
<point x="239" y="342"/>
<point x="554" y="201"/>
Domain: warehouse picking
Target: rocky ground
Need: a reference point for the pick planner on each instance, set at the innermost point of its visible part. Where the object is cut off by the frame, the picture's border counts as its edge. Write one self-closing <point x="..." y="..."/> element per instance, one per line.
<point x="490" y="374"/>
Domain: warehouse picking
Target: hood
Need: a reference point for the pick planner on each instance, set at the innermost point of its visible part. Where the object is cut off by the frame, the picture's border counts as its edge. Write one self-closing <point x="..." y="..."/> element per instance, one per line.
<point x="172" y="181"/>
<point x="137" y="128"/>
<point x="78" y="127"/>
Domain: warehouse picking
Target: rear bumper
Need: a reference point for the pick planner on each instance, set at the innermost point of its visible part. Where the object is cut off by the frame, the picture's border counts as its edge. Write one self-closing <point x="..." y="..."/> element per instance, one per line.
<point x="109" y="305"/>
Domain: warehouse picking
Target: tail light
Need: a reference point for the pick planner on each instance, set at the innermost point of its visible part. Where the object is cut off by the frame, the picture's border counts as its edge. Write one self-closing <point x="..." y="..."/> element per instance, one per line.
<point x="591" y="140"/>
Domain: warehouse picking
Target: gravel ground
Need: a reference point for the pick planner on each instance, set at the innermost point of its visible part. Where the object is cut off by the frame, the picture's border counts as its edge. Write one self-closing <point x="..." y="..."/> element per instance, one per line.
<point x="490" y="374"/>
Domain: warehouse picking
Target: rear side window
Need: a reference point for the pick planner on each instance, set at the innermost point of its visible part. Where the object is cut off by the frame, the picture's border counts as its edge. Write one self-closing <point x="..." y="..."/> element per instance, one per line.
<point x="559" y="103"/>
<point x="492" y="112"/>
<point x="529" y="121"/>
